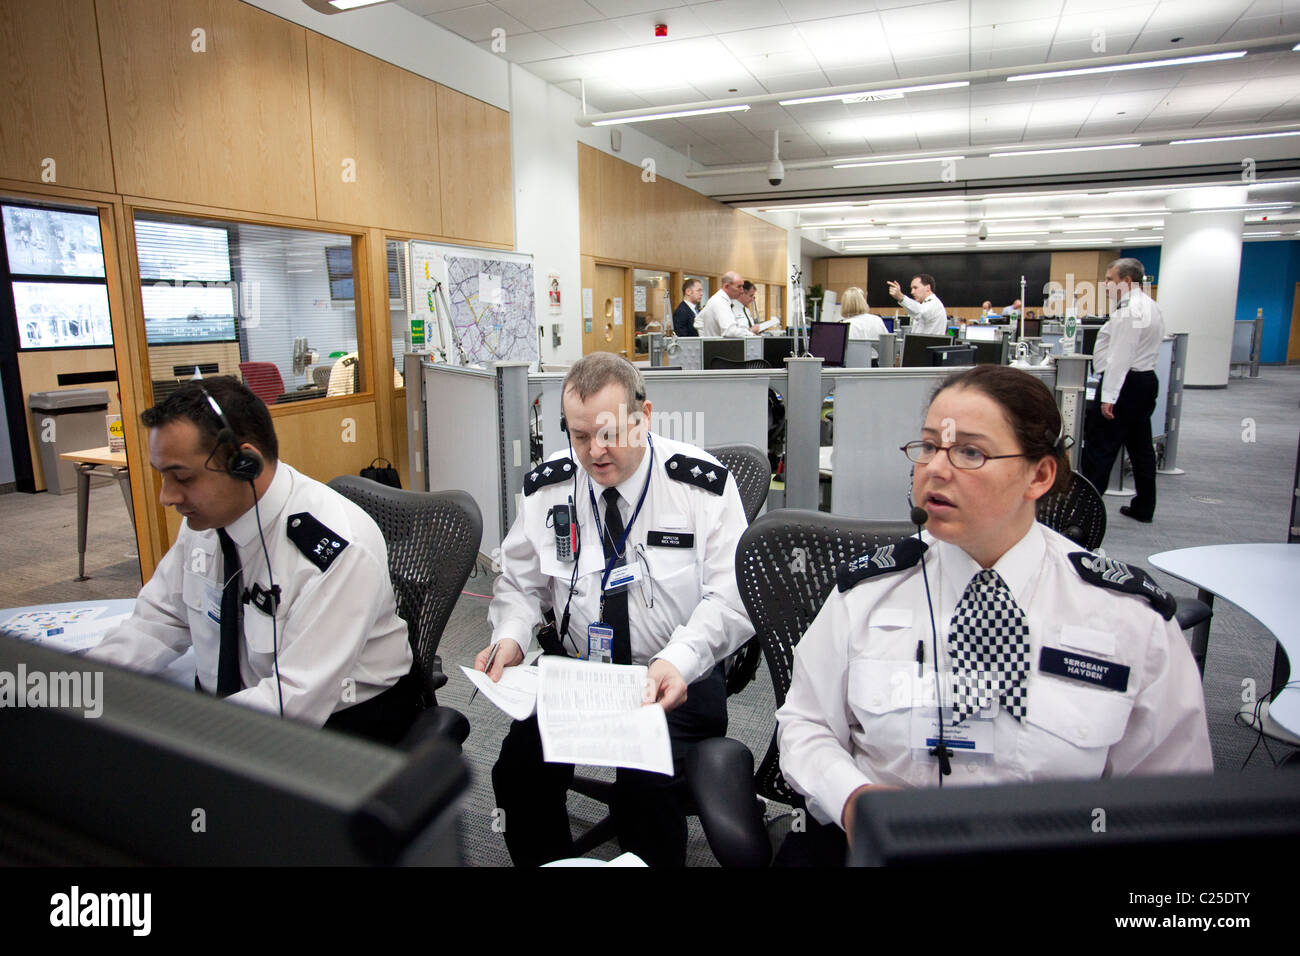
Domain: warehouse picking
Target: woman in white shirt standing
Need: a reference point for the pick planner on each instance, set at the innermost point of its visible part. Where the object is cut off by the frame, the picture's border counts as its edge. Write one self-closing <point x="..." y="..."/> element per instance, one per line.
<point x="862" y="324"/>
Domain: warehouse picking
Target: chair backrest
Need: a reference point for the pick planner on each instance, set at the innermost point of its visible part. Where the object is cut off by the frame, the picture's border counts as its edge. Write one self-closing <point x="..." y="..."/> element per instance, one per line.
<point x="433" y="541"/>
<point x="785" y="568"/>
<point x="748" y="464"/>
<point x="263" y="380"/>
<point x="717" y="362"/>
<point x="1077" y="511"/>
<point x="320" y="376"/>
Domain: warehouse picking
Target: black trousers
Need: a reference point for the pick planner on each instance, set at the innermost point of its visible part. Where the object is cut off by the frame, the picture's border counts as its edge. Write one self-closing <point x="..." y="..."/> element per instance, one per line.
<point x="818" y="844"/>
<point x="647" y="808"/>
<point x="1130" y="429"/>
<point x="386" y="717"/>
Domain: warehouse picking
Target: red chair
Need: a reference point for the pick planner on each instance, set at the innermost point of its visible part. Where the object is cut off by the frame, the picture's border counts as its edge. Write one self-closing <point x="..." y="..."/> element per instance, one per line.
<point x="263" y="379"/>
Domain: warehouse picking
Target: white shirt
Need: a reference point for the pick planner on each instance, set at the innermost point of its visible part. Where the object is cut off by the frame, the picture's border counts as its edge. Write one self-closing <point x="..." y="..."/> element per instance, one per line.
<point x="718" y="317"/>
<point x="340" y="639"/>
<point x="697" y="618"/>
<point x="928" y="317"/>
<point x="847" y="719"/>
<point x="869" y="327"/>
<point x="1130" y="340"/>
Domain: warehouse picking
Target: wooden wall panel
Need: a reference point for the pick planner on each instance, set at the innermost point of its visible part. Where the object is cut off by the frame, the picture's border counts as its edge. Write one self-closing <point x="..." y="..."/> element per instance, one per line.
<point x="52" y="95"/>
<point x="327" y="442"/>
<point x="475" y="170"/>
<point x="665" y="225"/>
<point x="227" y="127"/>
<point x="375" y="130"/>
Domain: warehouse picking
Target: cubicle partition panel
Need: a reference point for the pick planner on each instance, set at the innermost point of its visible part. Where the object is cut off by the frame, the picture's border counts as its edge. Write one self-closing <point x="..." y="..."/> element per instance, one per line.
<point x="712" y="408"/>
<point x="465" y="443"/>
<point x="876" y="411"/>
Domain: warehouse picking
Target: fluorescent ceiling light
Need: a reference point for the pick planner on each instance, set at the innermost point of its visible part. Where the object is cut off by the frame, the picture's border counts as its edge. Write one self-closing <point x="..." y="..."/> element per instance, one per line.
<point x="933" y="235"/>
<point x="1102" y="228"/>
<point x="837" y="225"/>
<point x="943" y="245"/>
<point x="1224" y="139"/>
<point x="867" y="95"/>
<point x="1009" y="242"/>
<point x="1021" y="232"/>
<point x="1076" y="242"/>
<point x="898" y="162"/>
<point x="1245" y="207"/>
<point x="1257" y="235"/>
<point x="1119" y="67"/>
<point x="1139" y="238"/>
<point x="1063" y="149"/>
<point x="739" y="108"/>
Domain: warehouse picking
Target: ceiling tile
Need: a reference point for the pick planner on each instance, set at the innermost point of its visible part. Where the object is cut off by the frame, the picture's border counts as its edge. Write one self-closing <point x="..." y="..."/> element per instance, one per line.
<point x="881" y="71"/>
<point x="934" y="66"/>
<point x="623" y="8"/>
<point x="682" y="22"/>
<point x="778" y="64"/>
<point x="551" y="14"/>
<point x="525" y="48"/>
<point x="800" y="10"/>
<point x="728" y="16"/>
<point x="915" y="24"/>
<point x="478" y="22"/>
<point x="987" y="12"/>
<point x="1116" y="44"/>
<point x="929" y="46"/>
<point x="762" y="41"/>
<point x="588" y="37"/>
<point x="426" y="7"/>
<point x="847" y="40"/>
<point x="796" y="81"/>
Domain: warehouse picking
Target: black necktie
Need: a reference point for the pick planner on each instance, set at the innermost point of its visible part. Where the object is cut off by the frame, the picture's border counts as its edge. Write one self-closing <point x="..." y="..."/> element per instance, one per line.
<point x="988" y="641"/>
<point x="232" y="618"/>
<point x="616" y="604"/>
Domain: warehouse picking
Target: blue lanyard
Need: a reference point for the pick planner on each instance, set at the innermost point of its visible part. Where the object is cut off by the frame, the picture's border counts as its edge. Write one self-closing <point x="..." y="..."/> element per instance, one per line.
<point x="600" y="530"/>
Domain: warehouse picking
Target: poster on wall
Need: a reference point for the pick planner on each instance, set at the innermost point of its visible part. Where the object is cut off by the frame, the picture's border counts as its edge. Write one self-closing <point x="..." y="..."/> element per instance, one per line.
<point x="553" y="293"/>
<point x="481" y="299"/>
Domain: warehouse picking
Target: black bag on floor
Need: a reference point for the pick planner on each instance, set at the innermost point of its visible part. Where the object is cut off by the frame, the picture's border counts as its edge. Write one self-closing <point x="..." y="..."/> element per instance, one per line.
<point x="385" y="474"/>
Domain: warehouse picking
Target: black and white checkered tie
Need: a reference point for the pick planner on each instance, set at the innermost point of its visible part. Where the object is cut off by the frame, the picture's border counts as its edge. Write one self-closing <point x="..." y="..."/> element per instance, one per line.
<point x="988" y="642"/>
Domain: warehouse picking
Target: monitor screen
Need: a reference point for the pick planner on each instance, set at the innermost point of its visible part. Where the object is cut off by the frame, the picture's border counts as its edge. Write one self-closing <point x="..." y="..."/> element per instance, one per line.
<point x="982" y="333"/>
<point x="1090" y="339"/>
<point x="52" y="242"/>
<point x="889" y="323"/>
<point x="53" y="315"/>
<point x="733" y="350"/>
<point x="943" y="355"/>
<point x="776" y="349"/>
<point x="915" y="354"/>
<point x="987" y="353"/>
<point x="827" y="341"/>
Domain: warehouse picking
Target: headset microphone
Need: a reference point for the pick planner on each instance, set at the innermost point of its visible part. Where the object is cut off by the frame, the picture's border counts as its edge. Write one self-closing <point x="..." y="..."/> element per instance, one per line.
<point x="919" y="517"/>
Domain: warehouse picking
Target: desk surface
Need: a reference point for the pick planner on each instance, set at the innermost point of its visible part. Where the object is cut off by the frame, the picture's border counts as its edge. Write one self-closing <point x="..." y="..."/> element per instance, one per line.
<point x="1260" y="579"/>
<point x="97" y="456"/>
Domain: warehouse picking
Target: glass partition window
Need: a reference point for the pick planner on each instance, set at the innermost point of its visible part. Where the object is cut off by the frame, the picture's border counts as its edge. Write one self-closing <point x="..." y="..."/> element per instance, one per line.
<point x="399" y="303"/>
<point x="55" y="269"/>
<point x="652" y="305"/>
<point x="270" y="305"/>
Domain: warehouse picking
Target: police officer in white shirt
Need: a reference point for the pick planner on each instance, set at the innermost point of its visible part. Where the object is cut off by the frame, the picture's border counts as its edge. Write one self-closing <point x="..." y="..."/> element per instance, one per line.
<point x="1052" y="662"/>
<point x="1125" y="355"/>
<point x="652" y="582"/>
<point x="929" y="317"/>
<point x="720" y="314"/>
<point x="278" y="582"/>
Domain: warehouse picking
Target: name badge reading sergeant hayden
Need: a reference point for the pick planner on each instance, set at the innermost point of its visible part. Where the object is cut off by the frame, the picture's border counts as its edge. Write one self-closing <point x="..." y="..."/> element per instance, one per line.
<point x="1081" y="667"/>
<point x="670" y="539"/>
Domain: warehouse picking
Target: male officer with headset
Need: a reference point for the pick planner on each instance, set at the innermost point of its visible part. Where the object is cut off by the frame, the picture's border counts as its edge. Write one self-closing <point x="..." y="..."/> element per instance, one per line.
<point x="278" y="582"/>
<point x="651" y="581"/>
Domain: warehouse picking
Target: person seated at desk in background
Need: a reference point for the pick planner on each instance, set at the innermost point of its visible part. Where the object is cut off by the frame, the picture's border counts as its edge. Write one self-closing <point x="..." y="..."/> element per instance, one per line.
<point x="671" y="512"/>
<point x="1013" y="308"/>
<point x="319" y="640"/>
<point x="1057" y="663"/>
<point x="929" y="317"/>
<point x="986" y="311"/>
<point x="719" y="315"/>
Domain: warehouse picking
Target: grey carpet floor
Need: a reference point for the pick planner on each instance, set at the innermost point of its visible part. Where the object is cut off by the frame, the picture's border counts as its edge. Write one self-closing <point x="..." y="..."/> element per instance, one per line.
<point x="1238" y="449"/>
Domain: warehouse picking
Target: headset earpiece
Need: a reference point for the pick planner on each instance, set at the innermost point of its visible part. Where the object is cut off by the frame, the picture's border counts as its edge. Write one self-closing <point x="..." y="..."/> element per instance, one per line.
<point x="564" y="424"/>
<point x="245" y="464"/>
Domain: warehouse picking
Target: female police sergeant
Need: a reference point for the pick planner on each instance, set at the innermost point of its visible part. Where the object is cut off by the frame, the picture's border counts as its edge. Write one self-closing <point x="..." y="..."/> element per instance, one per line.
<point x="1056" y="662"/>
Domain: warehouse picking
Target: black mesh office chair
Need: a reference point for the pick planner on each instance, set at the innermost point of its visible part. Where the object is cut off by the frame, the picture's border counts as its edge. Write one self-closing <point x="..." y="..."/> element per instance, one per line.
<point x="1079" y="513"/>
<point x="433" y="541"/>
<point x="785" y="567"/>
<point x="717" y="362"/>
<point x="748" y="465"/>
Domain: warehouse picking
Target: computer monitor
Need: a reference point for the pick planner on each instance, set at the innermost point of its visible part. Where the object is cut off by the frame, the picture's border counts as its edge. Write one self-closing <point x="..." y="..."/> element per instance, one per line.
<point x="944" y="355"/>
<point x="987" y="353"/>
<point x="915" y="354"/>
<point x="777" y="348"/>
<point x="983" y="333"/>
<point x="1090" y="339"/>
<point x="733" y="350"/>
<point x="1033" y="327"/>
<point x="827" y="341"/>
<point x="134" y="770"/>
<point x="1195" y="819"/>
<point x="889" y="323"/>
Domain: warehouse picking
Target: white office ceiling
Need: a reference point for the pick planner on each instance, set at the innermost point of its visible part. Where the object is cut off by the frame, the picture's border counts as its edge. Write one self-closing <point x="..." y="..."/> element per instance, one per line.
<point x="729" y="49"/>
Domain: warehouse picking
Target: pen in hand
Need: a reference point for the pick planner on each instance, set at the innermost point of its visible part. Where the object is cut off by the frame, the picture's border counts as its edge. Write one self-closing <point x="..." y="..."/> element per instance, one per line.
<point x="487" y="668"/>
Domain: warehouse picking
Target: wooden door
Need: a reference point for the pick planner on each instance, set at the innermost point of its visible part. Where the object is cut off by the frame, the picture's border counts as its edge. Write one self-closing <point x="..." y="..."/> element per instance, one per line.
<point x="611" y="312"/>
<point x="1293" y="346"/>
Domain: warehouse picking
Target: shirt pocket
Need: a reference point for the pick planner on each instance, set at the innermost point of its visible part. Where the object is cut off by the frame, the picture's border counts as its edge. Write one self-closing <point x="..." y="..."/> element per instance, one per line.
<point x="1070" y="728"/>
<point x="260" y="631"/>
<point x="590" y="564"/>
<point x="878" y="689"/>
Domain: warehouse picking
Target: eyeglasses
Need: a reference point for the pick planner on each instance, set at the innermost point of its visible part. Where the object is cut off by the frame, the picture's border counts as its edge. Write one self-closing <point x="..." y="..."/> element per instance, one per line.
<point x="965" y="457"/>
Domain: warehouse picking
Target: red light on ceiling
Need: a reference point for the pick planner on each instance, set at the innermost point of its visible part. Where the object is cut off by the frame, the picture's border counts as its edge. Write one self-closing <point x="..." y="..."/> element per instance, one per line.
<point x="661" y="29"/>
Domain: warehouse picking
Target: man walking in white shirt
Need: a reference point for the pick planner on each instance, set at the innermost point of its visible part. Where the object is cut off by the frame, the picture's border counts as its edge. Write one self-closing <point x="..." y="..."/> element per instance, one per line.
<point x="1125" y="355"/>
<point x="929" y="317"/>
<point x="718" y="317"/>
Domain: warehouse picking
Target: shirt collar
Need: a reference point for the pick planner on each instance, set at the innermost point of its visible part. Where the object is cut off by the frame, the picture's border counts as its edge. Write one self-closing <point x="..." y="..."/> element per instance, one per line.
<point x="1019" y="567"/>
<point x="243" y="530"/>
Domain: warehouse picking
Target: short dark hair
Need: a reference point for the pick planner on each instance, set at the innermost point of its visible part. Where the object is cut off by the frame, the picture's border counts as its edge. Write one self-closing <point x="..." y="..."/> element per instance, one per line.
<point x="926" y="279"/>
<point x="748" y="286"/>
<point x="1029" y="408"/>
<point x="593" y="372"/>
<point x="686" y="286"/>
<point x="248" y="416"/>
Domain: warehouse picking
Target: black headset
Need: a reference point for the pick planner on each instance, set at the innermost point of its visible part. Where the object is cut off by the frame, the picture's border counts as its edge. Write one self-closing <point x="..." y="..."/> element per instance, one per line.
<point x="244" y="464"/>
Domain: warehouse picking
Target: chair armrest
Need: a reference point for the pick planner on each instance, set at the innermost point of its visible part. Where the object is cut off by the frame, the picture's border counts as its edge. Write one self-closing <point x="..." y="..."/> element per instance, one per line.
<point x="437" y="721"/>
<point x="720" y="779"/>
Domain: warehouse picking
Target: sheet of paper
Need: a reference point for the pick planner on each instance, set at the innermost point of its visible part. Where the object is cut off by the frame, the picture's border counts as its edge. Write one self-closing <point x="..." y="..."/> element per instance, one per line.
<point x="489" y="288"/>
<point x="769" y="324"/>
<point x="515" y="693"/>
<point x="71" y="631"/>
<point x="591" y="713"/>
